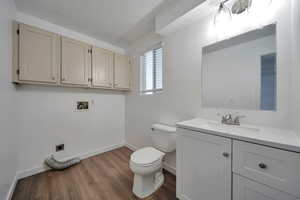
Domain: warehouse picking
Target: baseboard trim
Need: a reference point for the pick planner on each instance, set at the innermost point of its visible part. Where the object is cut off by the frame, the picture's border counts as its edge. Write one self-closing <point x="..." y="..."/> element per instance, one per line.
<point x="170" y="168"/>
<point x="166" y="166"/>
<point x="40" y="169"/>
<point x="12" y="188"/>
<point x="131" y="147"/>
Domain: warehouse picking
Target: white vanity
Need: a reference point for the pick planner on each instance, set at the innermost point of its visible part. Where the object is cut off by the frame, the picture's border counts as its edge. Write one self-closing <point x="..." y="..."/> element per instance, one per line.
<point x="223" y="162"/>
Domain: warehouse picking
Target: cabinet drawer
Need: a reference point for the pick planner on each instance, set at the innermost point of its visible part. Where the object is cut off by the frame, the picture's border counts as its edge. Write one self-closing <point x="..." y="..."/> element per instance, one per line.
<point x="276" y="168"/>
<point x="245" y="189"/>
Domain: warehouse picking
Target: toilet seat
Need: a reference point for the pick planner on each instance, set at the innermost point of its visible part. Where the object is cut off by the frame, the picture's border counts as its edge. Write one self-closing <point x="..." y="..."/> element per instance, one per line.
<point x="146" y="157"/>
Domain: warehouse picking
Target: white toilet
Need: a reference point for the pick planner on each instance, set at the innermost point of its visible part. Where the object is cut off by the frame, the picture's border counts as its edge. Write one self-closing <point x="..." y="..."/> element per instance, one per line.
<point x="146" y="163"/>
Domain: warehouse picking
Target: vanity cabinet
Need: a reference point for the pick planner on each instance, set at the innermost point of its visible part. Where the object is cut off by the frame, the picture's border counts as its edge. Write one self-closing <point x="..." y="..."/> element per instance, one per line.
<point x="75" y="62"/>
<point x="122" y="72"/>
<point x="38" y="55"/>
<point x="245" y="189"/>
<point x="102" y="68"/>
<point x="259" y="172"/>
<point x="273" y="167"/>
<point x="203" y="166"/>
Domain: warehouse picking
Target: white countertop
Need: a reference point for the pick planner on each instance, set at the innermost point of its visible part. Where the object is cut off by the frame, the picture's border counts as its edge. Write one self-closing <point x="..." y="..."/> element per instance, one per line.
<point x="278" y="138"/>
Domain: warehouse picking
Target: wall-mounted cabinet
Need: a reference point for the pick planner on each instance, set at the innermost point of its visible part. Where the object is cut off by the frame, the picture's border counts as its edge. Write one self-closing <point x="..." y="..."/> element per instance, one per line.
<point x="42" y="57"/>
<point x="75" y="62"/>
<point x="102" y="70"/>
<point x="38" y="55"/>
<point x="122" y="72"/>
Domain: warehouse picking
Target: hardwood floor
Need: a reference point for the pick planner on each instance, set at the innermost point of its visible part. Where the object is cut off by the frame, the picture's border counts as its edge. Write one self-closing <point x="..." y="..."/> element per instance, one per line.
<point x="102" y="177"/>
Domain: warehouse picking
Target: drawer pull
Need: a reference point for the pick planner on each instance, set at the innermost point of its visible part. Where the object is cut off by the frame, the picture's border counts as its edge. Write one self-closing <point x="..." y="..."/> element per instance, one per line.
<point x="225" y="154"/>
<point x="262" y="165"/>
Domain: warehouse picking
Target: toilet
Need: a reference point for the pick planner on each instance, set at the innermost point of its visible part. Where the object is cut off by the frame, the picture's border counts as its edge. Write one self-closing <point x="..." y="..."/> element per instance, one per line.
<point x="146" y="163"/>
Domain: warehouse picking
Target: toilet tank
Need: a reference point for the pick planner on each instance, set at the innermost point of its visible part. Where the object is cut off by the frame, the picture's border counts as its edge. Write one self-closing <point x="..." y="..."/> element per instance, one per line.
<point x="164" y="137"/>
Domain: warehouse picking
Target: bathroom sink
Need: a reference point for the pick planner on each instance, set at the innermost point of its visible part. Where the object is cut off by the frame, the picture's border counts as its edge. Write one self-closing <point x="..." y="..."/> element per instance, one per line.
<point x="231" y="128"/>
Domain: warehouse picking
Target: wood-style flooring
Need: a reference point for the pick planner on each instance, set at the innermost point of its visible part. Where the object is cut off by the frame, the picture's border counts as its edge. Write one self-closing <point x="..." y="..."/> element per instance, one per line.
<point x="103" y="177"/>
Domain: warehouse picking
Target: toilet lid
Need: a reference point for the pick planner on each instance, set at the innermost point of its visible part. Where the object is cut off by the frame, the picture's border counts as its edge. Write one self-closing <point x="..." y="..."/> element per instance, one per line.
<point x="146" y="156"/>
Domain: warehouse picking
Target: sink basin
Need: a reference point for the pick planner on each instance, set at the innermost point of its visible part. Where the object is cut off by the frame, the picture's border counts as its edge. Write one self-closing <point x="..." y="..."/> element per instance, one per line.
<point x="231" y="128"/>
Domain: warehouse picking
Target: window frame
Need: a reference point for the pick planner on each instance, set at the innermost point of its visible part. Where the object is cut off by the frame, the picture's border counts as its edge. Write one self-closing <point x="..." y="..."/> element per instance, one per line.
<point x="143" y="90"/>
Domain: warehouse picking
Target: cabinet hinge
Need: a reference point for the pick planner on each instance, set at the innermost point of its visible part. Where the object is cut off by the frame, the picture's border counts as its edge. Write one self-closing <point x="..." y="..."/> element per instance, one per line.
<point x="18" y="71"/>
<point x="18" y="31"/>
<point x="90" y="51"/>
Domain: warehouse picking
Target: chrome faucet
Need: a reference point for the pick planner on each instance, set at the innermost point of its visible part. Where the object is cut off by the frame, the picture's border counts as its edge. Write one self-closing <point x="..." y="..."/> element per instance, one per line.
<point x="229" y="120"/>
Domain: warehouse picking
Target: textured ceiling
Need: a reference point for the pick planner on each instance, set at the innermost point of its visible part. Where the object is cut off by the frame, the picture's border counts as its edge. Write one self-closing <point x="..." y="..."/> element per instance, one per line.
<point x="119" y="22"/>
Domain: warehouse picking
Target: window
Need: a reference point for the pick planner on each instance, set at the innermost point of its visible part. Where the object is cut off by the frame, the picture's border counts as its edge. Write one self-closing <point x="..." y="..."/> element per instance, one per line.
<point x="268" y="82"/>
<point x="152" y="71"/>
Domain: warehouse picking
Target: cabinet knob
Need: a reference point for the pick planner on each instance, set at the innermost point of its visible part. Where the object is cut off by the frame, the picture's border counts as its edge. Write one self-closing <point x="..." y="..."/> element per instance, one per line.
<point x="53" y="78"/>
<point x="63" y="79"/>
<point x="262" y="165"/>
<point x="225" y="154"/>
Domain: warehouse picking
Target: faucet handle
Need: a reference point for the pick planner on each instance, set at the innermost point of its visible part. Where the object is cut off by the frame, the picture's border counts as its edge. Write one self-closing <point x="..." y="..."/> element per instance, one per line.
<point x="237" y="119"/>
<point x="228" y="116"/>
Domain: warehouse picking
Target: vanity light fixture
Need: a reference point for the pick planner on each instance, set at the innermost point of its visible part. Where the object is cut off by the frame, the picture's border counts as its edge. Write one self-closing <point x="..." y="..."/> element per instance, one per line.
<point x="223" y="15"/>
<point x="240" y="6"/>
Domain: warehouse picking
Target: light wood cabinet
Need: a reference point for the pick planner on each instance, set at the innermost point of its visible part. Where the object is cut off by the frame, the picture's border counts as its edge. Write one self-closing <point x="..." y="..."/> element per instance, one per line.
<point x="38" y="55"/>
<point x="43" y="57"/>
<point x="75" y="62"/>
<point x="102" y="68"/>
<point x="203" y="166"/>
<point x="245" y="189"/>
<point x="122" y="71"/>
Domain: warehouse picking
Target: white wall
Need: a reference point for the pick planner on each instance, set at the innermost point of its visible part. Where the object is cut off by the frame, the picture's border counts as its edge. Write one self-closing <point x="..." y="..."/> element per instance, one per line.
<point x="181" y="98"/>
<point x="296" y="64"/>
<point x="8" y="133"/>
<point x="47" y="115"/>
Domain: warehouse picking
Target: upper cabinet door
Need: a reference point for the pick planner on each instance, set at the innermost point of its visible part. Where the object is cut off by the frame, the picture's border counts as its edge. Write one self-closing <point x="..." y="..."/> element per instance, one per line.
<point x="76" y="62"/>
<point x="122" y="72"/>
<point x="102" y="68"/>
<point x="38" y="55"/>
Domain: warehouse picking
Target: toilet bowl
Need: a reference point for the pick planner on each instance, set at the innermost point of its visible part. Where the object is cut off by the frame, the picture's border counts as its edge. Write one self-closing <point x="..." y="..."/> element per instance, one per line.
<point x="146" y="163"/>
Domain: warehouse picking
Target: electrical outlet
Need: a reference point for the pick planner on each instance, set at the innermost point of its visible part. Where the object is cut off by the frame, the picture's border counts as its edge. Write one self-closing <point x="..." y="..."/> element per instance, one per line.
<point x="60" y="147"/>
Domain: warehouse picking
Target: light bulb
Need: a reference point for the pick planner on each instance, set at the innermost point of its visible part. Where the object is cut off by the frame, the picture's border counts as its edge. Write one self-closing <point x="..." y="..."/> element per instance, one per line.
<point x="223" y="15"/>
<point x="260" y="5"/>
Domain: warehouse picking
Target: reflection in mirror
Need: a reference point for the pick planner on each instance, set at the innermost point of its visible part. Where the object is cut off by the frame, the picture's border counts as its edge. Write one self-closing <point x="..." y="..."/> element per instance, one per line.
<point x="240" y="73"/>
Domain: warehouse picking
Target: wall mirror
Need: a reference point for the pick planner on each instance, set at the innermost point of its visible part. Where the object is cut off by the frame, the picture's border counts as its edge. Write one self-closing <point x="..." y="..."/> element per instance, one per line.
<point x="240" y="73"/>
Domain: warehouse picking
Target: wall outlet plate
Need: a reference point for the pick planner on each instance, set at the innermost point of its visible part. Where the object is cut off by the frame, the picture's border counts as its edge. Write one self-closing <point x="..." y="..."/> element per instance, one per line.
<point x="60" y="147"/>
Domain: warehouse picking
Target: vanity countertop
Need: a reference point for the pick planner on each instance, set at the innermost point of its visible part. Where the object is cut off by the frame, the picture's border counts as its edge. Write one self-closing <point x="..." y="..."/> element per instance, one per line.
<point x="278" y="138"/>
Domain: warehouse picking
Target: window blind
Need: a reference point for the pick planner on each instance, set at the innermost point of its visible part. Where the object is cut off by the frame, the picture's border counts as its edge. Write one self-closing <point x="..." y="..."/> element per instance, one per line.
<point x="152" y="71"/>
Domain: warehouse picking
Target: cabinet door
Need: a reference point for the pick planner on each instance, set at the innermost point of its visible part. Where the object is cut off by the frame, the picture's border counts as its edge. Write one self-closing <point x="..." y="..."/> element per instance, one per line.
<point x="38" y="55"/>
<point x="122" y="72"/>
<point x="102" y="67"/>
<point x="76" y="62"/>
<point x="245" y="189"/>
<point x="203" y="166"/>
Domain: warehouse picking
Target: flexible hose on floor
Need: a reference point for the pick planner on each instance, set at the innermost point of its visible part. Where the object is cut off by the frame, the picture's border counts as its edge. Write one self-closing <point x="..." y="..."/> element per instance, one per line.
<point x="58" y="165"/>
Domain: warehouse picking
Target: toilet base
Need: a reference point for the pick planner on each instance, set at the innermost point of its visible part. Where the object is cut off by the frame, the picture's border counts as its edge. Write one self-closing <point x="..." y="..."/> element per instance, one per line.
<point x="145" y="185"/>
